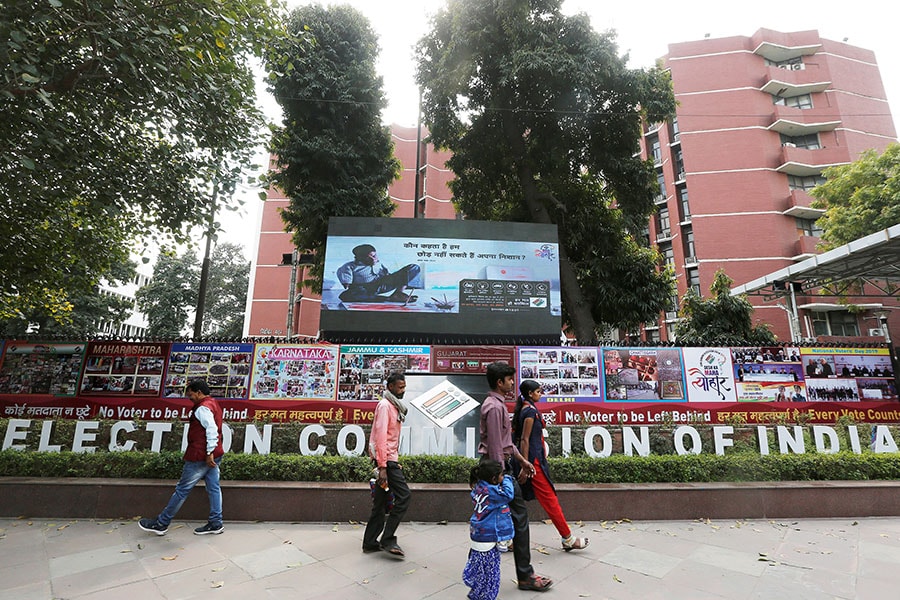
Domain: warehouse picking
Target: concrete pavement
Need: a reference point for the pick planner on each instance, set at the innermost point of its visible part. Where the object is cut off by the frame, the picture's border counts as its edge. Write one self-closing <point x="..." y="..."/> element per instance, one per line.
<point x="46" y="559"/>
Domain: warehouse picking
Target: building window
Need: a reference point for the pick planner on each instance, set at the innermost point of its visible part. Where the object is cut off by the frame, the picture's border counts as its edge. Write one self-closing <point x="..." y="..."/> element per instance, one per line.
<point x="683" y="202"/>
<point x="670" y="332"/>
<point x="693" y="280"/>
<point x="804" y="182"/>
<point x="791" y="64"/>
<point x="837" y="322"/>
<point x="663" y="226"/>
<point x="679" y="165"/>
<point x="674" y="133"/>
<point x="690" y="253"/>
<point x="809" y="142"/>
<point x="654" y="150"/>
<point x="668" y="254"/>
<point x="803" y="101"/>
<point x="809" y="227"/>
<point x="645" y="235"/>
<point x="652" y="334"/>
<point x="661" y="180"/>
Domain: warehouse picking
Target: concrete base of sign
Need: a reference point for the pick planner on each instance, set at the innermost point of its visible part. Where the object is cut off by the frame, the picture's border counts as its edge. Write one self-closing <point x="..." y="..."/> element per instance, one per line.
<point x="76" y="498"/>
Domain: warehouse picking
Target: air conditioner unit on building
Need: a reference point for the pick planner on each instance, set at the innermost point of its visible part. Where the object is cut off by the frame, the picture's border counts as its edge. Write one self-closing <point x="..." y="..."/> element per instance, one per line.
<point x="797" y="67"/>
<point x="875" y="332"/>
<point x="789" y="145"/>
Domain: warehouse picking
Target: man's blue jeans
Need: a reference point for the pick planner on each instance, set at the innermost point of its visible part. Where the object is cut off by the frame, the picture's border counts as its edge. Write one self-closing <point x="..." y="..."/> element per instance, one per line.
<point x="191" y="474"/>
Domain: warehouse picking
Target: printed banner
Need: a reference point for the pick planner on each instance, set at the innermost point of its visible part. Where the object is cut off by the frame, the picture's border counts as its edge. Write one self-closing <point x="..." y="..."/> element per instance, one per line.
<point x="469" y="359"/>
<point x="709" y="374"/>
<point x="566" y="374"/>
<point x="224" y="367"/>
<point x="643" y="374"/>
<point x="41" y="368"/>
<point x="364" y="369"/>
<point x="294" y="371"/>
<point x="124" y="368"/>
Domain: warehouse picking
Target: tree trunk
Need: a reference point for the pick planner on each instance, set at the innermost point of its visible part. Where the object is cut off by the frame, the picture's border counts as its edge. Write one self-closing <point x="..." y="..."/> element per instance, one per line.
<point x="576" y="306"/>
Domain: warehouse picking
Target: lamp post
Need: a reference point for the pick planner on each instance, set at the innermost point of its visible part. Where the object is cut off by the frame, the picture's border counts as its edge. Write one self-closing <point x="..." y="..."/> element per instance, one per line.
<point x="292" y="257"/>
<point x="204" y="269"/>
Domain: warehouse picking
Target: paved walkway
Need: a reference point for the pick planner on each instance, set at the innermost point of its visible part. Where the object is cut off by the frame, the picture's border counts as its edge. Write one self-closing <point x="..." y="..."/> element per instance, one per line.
<point x="696" y="560"/>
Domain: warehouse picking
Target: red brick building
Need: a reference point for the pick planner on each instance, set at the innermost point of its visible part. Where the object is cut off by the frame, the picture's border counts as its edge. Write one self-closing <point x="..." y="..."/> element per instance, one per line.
<point x="270" y="280"/>
<point x="758" y="119"/>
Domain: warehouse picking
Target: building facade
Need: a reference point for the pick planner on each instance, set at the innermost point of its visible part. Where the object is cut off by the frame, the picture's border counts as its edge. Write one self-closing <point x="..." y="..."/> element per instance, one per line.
<point x="276" y="267"/>
<point x="758" y="120"/>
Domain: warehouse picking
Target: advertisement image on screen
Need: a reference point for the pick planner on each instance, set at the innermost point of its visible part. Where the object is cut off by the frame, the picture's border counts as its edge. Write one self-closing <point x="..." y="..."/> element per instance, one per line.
<point x="441" y="277"/>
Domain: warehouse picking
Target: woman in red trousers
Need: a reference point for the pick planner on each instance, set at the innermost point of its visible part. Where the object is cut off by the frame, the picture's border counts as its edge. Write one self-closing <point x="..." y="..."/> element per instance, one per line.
<point x="528" y="434"/>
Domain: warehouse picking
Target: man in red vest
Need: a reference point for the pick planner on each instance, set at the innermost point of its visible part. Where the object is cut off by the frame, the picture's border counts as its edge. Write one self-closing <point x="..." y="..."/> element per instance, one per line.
<point x="201" y="461"/>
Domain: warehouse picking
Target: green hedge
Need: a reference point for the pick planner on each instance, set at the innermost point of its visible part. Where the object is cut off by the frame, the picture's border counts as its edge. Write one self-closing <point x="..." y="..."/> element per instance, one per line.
<point x="455" y="469"/>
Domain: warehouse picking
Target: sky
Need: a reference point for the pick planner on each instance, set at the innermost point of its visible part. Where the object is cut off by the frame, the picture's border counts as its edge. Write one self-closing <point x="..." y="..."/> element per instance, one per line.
<point x="644" y="31"/>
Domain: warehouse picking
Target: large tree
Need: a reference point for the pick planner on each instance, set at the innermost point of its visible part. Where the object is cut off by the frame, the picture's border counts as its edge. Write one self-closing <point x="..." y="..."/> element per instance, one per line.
<point x="115" y="118"/>
<point x="89" y="310"/>
<point x="226" y="293"/>
<point x="334" y="158"/>
<point x="860" y="198"/>
<point x="171" y="294"/>
<point x="720" y="320"/>
<point x="543" y="118"/>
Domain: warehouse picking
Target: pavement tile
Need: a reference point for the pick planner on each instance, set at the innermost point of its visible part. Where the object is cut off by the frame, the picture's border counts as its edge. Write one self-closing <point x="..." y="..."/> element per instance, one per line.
<point x="276" y="559"/>
<point x="84" y="582"/>
<point x="39" y="590"/>
<point x="677" y="560"/>
<point x="748" y="563"/>
<point x="88" y="560"/>
<point x="640" y="560"/>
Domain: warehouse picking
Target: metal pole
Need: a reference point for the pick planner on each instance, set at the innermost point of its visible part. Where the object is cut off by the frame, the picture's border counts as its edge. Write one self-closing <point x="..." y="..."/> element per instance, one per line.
<point x="416" y="194"/>
<point x="794" y="317"/>
<point x="204" y="269"/>
<point x="291" y="291"/>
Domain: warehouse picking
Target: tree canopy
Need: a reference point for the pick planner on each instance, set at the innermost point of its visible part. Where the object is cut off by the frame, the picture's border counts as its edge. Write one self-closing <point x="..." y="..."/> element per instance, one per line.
<point x="171" y="296"/>
<point x="226" y="292"/>
<point x="334" y="158"/>
<point x="722" y="319"/>
<point x="860" y="198"/>
<point x="543" y="118"/>
<point x="114" y="119"/>
<point x="172" y="292"/>
<point x="89" y="310"/>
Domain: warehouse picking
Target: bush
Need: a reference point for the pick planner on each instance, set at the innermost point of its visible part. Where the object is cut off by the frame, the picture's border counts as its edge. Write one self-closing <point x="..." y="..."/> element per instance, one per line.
<point x="455" y="469"/>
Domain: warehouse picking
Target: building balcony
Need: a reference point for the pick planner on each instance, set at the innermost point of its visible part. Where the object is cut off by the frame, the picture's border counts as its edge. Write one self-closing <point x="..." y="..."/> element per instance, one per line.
<point x="795" y="122"/>
<point x="787" y="83"/>
<point x="805" y="247"/>
<point x="780" y="53"/>
<point x="799" y="205"/>
<point x="803" y="162"/>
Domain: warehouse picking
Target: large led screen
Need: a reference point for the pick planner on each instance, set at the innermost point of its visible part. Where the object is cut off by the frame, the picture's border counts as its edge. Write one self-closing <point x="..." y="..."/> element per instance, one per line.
<point x="441" y="277"/>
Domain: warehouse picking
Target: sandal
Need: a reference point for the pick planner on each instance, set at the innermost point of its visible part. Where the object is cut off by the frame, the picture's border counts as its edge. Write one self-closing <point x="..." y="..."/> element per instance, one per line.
<point x="395" y="550"/>
<point x="574" y="543"/>
<point x="536" y="583"/>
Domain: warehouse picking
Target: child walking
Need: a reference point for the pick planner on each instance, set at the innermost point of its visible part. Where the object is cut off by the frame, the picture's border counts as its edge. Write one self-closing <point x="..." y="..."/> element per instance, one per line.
<point x="491" y="522"/>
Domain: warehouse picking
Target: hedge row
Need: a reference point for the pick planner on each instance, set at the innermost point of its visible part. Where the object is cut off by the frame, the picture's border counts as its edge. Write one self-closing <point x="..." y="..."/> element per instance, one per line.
<point x="455" y="469"/>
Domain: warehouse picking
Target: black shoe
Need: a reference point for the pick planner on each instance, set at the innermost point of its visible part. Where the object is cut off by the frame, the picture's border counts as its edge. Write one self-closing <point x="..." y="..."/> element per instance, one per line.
<point x="153" y="526"/>
<point x="210" y="528"/>
<point x="369" y="549"/>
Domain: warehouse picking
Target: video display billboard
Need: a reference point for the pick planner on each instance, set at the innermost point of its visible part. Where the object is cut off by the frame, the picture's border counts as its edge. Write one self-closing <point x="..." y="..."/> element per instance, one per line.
<point x="441" y="277"/>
